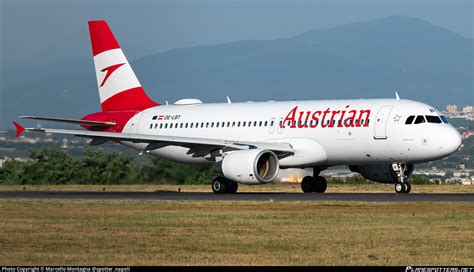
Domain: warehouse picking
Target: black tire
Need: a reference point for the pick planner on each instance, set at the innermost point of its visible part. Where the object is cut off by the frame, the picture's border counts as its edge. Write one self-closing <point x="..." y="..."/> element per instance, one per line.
<point x="219" y="185"/>
<point x="321" y="184"/>
<point x="399" y="187"/>
<point x="308" y="184"/>
<point x="407" y="187"/>
<point x="233" y="186"/>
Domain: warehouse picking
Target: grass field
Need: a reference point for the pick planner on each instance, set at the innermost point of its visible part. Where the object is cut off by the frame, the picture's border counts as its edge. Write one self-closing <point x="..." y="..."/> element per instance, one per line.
<point x="332" y="188"/>
<point x="66" y="232"/>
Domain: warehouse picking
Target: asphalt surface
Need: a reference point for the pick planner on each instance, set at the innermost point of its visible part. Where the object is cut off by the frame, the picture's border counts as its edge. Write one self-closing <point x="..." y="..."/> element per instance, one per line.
<point x="171" y="195"/>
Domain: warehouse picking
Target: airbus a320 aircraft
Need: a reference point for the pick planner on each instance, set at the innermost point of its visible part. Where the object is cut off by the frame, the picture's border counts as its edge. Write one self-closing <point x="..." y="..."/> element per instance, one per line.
<point x="248" y="143"/>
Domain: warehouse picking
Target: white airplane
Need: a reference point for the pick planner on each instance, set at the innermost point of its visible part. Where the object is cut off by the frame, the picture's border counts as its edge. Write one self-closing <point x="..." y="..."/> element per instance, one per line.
<point x="249" y="142"/>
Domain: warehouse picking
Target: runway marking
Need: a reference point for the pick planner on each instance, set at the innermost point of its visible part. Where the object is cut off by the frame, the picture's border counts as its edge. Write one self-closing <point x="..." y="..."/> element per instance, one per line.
<point x="171" y="195"/>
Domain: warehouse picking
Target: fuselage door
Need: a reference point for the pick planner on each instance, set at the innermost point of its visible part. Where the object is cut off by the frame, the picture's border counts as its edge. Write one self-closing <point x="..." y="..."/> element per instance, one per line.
<point x="135" y="123"/>
<point x="380" y="132"/>
<point x="278" y="125"/>
<point x="271" y="127"/>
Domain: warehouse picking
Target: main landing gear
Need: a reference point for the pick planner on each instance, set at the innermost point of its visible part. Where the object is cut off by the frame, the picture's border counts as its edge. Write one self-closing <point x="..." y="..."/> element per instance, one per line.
<point x="221" y="185"/>
<point x="402" y="186"/>
<point x="314" y="183"/>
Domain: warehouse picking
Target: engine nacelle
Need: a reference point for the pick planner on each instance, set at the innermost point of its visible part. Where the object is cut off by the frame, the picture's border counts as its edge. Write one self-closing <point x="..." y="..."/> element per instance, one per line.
<point x="251" y="166"/>
<point x="382" y="173"/>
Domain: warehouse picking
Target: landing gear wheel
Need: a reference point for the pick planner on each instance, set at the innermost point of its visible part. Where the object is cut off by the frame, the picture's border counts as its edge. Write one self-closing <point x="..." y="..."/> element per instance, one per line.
<point x="308" y="184"/>
<point x="399" y="187"/>
<point x="233" y="186"/>
<point x="219" y="185"/>
<point x="407" y="187"/>
<point x="321" y="184"/>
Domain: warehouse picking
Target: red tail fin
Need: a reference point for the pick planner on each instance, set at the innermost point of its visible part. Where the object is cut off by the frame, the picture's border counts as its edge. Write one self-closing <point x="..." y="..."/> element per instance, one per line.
<point x="119" y="88"/>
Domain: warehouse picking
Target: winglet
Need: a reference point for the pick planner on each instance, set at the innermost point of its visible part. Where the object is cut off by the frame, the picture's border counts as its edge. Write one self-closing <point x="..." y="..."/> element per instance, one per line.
<point x="19" y="129"/>
<point x="396" y="95"/>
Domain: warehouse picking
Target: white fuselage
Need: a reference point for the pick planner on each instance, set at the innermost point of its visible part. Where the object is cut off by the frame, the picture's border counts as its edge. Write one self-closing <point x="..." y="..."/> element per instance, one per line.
<point x="381" y="137"/>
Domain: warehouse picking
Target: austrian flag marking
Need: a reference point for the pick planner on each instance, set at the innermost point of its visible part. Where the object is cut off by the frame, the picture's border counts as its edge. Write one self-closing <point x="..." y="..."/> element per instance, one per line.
<point x="109" y="70"/>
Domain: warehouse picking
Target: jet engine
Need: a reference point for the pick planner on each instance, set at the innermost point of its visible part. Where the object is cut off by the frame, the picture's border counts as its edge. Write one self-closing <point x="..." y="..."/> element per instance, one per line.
<point x="251" y="166"/>
<point x="382" y="173"/>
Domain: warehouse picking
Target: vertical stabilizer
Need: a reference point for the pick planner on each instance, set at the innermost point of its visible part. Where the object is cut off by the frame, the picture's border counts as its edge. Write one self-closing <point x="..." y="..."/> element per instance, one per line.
<point x="119" y="88"/>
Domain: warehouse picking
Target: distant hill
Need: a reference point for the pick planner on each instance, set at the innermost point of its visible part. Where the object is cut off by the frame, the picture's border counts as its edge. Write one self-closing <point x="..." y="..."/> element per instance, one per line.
<point x="360" y="60"/>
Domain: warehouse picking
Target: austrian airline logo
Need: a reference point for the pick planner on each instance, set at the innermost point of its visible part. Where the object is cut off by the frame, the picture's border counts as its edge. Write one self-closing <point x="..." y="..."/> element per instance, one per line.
<point x="109" y="70"/>
<point x="330" y="118"/>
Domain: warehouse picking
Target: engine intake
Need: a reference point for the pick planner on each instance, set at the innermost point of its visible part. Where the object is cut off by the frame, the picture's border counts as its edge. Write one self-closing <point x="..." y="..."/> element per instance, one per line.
<point x="251" y="166"/>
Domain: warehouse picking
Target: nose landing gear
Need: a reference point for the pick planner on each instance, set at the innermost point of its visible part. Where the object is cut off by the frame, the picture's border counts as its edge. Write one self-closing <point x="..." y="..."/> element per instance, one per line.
<point x="402" y="186"/>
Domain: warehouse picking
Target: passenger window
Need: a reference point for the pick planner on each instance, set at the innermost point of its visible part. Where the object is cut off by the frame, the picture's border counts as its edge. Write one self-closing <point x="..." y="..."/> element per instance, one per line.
<point x="433" y="119"/>
<point x="419" y="119"/>
<point x="238" y="124"/>
<point x="166" y="125"/>
<point x="186" y="125"/>
<point x="409" y="120"/>
<point x="156" y="126"/>
<point x="161" y="126"/>
<point x="212" y="124"/>
<point x="217" y="124"/>
<point x="181" y="126"/>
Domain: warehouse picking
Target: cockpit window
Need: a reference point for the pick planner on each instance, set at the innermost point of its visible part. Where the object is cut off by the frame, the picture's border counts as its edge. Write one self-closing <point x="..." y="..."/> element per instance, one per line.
<point x="410" y="119"/>
<point x="433" y="119"/>
<point x="420" y="119"/>
<point x="445" y="119"/>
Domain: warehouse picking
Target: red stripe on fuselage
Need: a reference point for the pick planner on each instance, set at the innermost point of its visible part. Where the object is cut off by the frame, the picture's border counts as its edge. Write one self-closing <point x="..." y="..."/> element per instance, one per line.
<point x="132" y="99"/>
<point x="102" y="39"/>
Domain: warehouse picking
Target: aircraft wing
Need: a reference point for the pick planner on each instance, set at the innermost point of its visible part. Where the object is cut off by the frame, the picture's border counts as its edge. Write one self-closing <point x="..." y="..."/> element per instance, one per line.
<point x="157" y="141"/>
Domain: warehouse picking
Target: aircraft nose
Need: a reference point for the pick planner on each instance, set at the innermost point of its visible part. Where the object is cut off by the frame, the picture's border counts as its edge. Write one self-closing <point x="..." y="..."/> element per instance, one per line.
<point x="451" y="141"/>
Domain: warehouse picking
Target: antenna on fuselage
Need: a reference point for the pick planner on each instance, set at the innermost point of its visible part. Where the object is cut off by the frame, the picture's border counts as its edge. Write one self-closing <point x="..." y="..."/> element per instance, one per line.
<point x="397" y="96"/>
<point x="166" y="102"/>
<point x="228" y="100"/>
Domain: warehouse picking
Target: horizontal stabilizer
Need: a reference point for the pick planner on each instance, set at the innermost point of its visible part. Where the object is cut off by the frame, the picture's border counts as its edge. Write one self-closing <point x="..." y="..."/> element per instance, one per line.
<point x="71" y="121"/>
<point x="19" y="129"/>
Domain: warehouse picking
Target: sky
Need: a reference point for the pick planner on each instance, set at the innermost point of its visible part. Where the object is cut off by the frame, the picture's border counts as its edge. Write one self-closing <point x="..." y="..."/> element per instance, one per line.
<point x="34" y="33"/>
